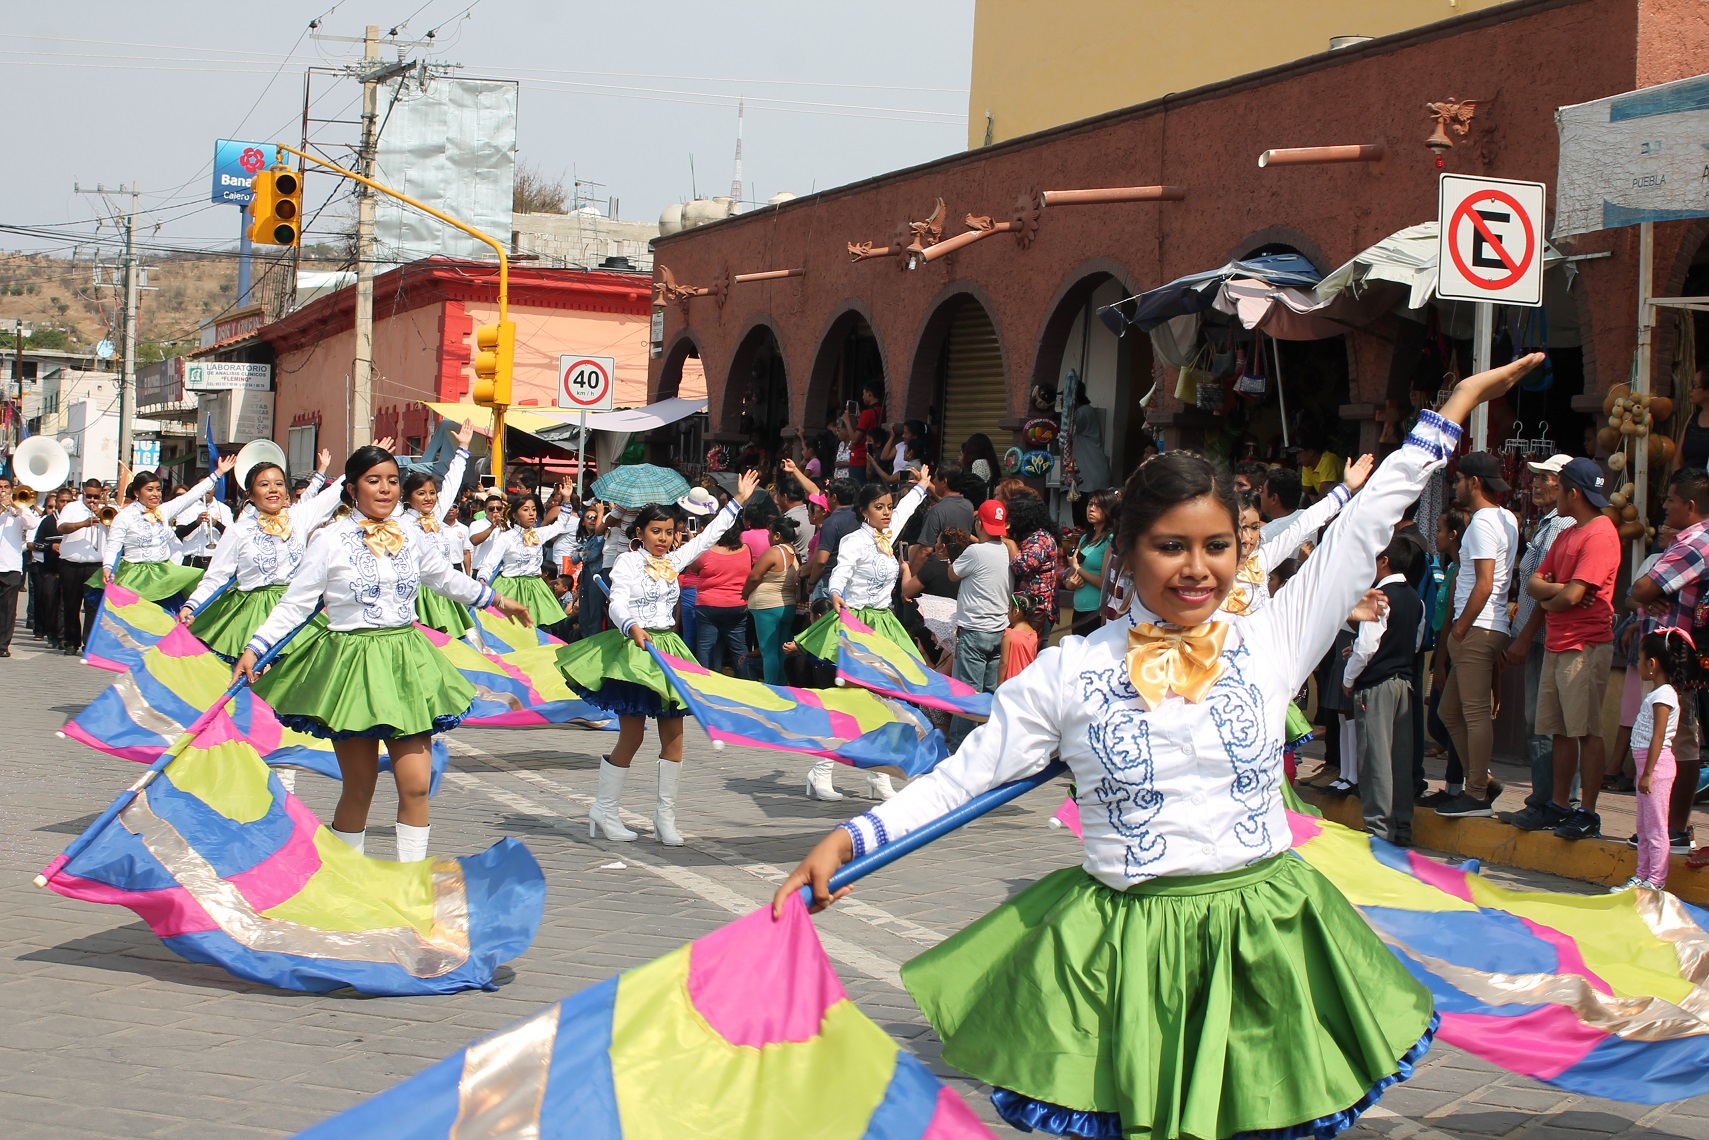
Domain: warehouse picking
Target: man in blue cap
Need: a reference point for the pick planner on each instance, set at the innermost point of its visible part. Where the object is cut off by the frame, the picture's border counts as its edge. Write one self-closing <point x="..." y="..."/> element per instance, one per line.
<point x="1575" y="589"/>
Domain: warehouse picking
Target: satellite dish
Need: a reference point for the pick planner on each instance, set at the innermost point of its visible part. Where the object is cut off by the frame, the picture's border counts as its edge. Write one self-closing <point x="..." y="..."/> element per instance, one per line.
<point x="104" y="350"/>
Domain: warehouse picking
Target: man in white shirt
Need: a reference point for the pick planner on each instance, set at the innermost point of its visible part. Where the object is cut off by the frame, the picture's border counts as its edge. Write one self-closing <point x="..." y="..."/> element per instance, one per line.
<point x="17" y="526"/>
<point x="199" y="528"/>
<point x="81" y="548"/>
<point x="981" y="608"/>
<point x="457" y="540"/>
<point x="1479" y="634"/>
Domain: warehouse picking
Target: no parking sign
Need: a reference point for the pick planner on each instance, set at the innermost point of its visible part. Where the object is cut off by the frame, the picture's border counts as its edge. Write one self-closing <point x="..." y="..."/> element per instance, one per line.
<point x="1491" y="240"/>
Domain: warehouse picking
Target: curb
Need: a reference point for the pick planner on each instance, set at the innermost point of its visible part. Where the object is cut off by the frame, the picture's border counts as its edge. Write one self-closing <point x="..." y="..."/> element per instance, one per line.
<point x="1605" y="862"/>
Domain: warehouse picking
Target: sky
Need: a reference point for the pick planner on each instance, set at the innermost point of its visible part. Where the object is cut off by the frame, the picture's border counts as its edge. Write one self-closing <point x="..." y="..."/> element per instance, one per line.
<point x="621" y="93"/>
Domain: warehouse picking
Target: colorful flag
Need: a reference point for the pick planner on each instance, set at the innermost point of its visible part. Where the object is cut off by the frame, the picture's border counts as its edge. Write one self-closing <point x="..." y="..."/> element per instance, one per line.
<point x="496" y="633"/>
<point x="1601" y="995"/>
<point x="746" y="1033"/>
<point x="126" y="626"/>
<point x="174" y="683"/>
<point x="849" y="725"/>
<point x="872" y="661"/>
<point x="517" y="689"/>
<point x="229" y="869"/>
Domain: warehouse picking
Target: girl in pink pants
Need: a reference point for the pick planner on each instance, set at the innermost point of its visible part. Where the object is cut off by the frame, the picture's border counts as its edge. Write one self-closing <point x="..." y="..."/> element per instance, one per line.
<point x="1663" y="657"/>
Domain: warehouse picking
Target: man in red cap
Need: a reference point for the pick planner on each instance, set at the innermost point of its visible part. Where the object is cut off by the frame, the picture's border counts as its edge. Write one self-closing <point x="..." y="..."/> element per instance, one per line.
<point x="981" y="607"/>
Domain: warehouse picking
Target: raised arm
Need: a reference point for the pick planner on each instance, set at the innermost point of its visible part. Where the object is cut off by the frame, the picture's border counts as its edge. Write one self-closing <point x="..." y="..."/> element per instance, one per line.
<point x="316" y="506"/>
<point x="453" y="483"/>
<point x="1299" y="625"/>
<point x="685" y="554"/>
<point x="910" y="502"/>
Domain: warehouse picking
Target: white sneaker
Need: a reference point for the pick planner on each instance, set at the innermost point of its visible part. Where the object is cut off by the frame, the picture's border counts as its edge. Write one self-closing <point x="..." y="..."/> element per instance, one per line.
<point x="1634" y="881"/>
<point x="819" y="786"/>
<point x="878" y="783"/>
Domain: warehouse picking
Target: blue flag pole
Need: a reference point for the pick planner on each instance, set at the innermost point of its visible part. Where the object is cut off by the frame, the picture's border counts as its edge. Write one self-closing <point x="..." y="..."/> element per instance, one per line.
<point x="76" y="846"/>
<point x="865" y="865"/>
<point x="213" y="461"/>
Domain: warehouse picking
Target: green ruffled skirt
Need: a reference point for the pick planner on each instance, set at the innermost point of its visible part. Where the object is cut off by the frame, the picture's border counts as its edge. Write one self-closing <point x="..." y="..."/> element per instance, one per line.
<point x="1203" y="1006"/>
<point x="820" y="638"/>
<point x="611" y="671"/>
<point x="226" y="624"/>
<point x="156" y="581"/>
<point x="533" y="592"/>
<point x="436" y="611"/>
<point x="379" y="683"/>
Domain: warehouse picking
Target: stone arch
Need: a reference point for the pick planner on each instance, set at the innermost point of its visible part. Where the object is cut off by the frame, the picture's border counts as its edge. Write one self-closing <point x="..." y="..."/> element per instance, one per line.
<point x="683" y="347"/>
<point x="928" y="395"/>
<point x="849" y="348"/>
<point x="1289" y="239"/>
<point x="756" y="383"/>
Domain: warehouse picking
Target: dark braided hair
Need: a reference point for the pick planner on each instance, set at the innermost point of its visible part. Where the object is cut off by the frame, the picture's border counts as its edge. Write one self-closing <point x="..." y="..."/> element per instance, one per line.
<point x="1164" y="482"/>
<point x="1673" y="652"/>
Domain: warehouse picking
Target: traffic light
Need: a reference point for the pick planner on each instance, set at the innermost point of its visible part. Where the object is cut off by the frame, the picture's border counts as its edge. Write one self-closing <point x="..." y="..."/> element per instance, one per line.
<point x="495" y="352"/>
<point x="276" y="210"/>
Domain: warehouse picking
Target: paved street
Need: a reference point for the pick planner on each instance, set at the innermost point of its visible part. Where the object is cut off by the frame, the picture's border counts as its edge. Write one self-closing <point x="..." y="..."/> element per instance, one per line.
<point x="108" y="1034"/>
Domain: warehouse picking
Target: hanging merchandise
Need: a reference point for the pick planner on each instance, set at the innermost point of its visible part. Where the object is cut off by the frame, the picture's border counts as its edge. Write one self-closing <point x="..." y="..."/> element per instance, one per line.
<point x="1252" y="381"/>
<point x="718" y="458"/>
<point x="1040" y="432"/>
<point x="1226" y="358"/>
<point x="1630" y="418"/>
<point x="1190" y="384"/>
<point x="1036" y="464"/>
<point x="1011" y="461"/>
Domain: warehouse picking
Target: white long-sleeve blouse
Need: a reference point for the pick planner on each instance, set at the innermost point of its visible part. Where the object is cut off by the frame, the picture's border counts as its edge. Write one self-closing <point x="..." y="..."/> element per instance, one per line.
<point x="364" y="590"/>
<point x="512" y="556"/>
<point x="864" y="576"/>
<point x="1184" y="788"/>
<point x="638" y="598"/>
<point x="144" y="536"/>
<point x="257" y="559"/>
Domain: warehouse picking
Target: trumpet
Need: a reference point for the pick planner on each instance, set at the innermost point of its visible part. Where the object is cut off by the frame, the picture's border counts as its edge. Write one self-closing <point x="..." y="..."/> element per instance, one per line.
<point x="499" y="517"/>
<point x="24" y="497"/>
<point x="107" y="514"/>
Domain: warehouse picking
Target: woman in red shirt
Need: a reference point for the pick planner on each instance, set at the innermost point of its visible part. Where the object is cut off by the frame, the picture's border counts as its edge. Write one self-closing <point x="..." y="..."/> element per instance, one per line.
<point x="720" y="614"/>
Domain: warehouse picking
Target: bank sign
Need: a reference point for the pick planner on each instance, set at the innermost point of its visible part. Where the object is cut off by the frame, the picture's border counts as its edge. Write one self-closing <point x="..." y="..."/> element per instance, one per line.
<point x="235" y="164"/>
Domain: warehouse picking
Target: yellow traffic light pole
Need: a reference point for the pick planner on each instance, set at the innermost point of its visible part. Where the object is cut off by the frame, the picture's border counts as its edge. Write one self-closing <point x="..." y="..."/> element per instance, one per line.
<point x="503" y="277"/>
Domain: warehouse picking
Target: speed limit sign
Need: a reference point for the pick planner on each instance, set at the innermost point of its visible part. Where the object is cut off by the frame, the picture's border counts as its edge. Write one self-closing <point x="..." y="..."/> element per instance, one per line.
<point x="586" y="383"/>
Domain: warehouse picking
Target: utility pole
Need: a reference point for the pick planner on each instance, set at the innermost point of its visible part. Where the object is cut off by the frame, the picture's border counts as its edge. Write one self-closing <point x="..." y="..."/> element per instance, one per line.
<point x="18" y="373"/>
<point x="127" y="385"/>
<point x="133" y="282"/>
<point x="362" y="368"/>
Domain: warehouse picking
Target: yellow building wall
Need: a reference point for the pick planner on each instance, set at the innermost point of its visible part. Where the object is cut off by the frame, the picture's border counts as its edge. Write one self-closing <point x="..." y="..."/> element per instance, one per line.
<point x="1037" y="66"/>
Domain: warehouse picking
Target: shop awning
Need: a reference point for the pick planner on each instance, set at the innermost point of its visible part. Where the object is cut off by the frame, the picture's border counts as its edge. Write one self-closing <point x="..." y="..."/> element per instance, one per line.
<point x="1197" y="292"/>
<point x="556" y="425"/>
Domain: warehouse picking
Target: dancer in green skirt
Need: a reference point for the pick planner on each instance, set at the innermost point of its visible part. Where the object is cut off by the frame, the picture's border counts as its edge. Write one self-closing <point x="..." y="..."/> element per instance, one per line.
<point x="139" y="543"/>
<point x="1192" y="977"/>
<point x="257" y="558"/>
<point x="864" y="583"/>
<point x="372" y="675"/>
<point x="426" y="513"/>
<point x="512" y="565"/>
<point x="614" y="670"/>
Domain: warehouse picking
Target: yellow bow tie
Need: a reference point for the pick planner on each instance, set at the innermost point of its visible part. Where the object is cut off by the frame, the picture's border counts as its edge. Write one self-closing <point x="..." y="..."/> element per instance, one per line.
<point x="1185" y="661"/>
<point x="383" y="536"/>
<point x="1247" y="581"/>
<point x="279" y="525"/>
<point x="529" y="538"/>
<point x="660" y="569"/>
<point x="428" y="523"/>
<point x="881" y="539"/>
<point x="153" y="515"/>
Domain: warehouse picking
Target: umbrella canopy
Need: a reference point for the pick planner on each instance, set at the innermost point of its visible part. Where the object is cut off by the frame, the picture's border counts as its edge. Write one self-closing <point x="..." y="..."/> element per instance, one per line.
<point x="1197" y="292"/>
<point x="638" y="484"/>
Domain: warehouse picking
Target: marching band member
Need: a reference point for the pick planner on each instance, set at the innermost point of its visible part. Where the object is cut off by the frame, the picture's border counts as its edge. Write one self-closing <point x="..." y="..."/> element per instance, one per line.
<point x="514" y="560"/>
<point x="198" y="529"/>
<point x="1191" y="977"/>
<point x="82" y="546"/>
<point x="17" y="527"/>
<point x="426" y="512"/>
<point x="261" y="551"/>
<point x="139" y="543"/>
<point x="614" y="671"/>
<point x="372" y="676"/>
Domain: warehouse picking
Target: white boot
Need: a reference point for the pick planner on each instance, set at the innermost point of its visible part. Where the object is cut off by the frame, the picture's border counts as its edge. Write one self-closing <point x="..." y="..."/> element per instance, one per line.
<point x="355" y="839"/>
<point x="664" y="818"/>
<point x="287" y="777"/>
<point x="602" y="816"/>
<point x="819" y="786"/>
<point x="879" y="785"/>
<point x="412" y="842"/>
